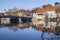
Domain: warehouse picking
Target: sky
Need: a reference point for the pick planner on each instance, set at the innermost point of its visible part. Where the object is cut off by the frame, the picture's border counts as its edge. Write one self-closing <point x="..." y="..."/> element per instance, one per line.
<point x="24" y="4"/>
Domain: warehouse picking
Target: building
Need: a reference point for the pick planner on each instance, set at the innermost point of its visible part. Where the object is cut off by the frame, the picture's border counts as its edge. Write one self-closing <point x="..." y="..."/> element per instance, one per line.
<point x="24" y="13"/>
<point x="1" y="14"/>
<point x="7" y="13"/>
<point x="20" y="12"/>
<point x="10" y="13"/>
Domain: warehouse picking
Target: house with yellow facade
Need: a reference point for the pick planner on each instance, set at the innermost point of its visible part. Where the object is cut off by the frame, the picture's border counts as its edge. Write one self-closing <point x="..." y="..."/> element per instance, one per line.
<point x="10" y="13"/>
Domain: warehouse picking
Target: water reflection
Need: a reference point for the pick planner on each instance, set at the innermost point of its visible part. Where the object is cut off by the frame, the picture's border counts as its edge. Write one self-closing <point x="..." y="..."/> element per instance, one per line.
<point x="26" y="31"/>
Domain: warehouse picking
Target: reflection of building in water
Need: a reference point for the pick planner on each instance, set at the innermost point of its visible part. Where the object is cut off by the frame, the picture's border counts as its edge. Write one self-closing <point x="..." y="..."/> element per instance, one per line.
<point x="51" y="25"/>
<point x="41" y="28"/>
<point x="24" y="25"/>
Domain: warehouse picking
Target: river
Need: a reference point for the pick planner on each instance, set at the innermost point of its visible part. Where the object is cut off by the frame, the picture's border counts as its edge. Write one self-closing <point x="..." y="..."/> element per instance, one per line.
<point x="25" y="33"/>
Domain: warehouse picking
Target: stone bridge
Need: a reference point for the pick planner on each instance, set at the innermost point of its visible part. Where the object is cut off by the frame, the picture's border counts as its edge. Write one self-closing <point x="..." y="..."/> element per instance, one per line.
<point x="14" y="19"/>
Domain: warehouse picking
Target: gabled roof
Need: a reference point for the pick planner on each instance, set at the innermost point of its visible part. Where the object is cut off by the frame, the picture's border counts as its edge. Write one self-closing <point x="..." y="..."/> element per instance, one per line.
<point x="1" y="14"/>
<point x="24" y="11"/>
<point x="49" y="8"/>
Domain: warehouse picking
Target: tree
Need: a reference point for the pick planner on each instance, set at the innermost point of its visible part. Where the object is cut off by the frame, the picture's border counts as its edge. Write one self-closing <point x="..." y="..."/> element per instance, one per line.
<point x="35" y="9"/>
<point x="44" y="6"/>
<point x="58" y="10"/>
<point x="5" y="10"/>
<point x="9" y="10"/>
<point x="12" y="11"/>
<point x="15" y="9"/>
<point x="57" y="4"/>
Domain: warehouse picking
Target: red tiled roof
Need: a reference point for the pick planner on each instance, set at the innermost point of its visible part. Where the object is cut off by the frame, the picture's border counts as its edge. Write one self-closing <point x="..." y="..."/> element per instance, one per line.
<point x="49" y="8"/>
<point x="24" y="11"/>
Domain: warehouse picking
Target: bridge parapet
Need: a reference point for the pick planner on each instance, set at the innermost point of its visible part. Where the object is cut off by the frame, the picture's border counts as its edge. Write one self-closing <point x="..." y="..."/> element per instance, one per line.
<point x="8" y="16"/>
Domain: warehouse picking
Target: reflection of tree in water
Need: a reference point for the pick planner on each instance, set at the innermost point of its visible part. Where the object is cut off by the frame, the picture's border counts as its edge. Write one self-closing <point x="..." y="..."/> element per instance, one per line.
<point x="42" y="35"/>
<point x="14" y="28"/>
